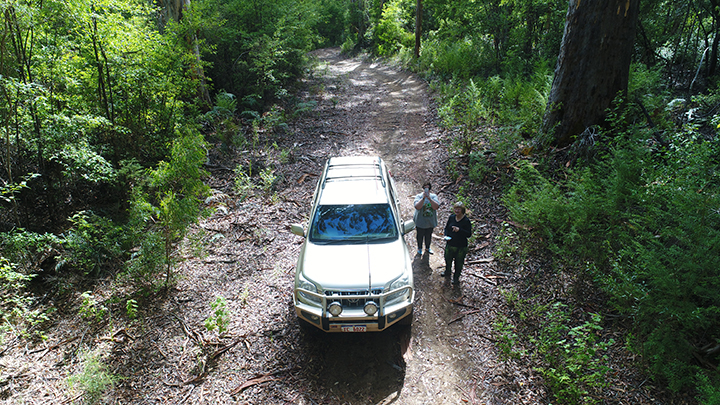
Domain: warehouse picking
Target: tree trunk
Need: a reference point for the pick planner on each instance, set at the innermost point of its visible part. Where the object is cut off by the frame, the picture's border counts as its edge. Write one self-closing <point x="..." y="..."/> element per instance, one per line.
<point x="593" y="66"/>
<point x="173" y="10"/>
<point x="418" y="27"/>
<point x="712" y="62"/>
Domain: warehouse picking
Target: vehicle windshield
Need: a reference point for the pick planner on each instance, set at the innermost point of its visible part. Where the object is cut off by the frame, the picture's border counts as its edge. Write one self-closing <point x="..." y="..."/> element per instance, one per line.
<point x="353" y="223"/>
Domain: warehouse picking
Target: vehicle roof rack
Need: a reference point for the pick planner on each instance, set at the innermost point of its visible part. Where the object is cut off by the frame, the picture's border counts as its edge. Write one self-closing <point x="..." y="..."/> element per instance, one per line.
<point x="372" y="165"/>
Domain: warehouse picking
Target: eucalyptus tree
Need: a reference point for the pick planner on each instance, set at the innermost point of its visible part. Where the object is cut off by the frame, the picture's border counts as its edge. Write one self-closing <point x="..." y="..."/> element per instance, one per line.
<point x="593" y="66"/>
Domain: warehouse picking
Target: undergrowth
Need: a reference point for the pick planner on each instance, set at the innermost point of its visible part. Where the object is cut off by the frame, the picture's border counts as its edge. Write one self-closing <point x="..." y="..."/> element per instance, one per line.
<point x="569" y="354"/>
<point x="645" y="226"/>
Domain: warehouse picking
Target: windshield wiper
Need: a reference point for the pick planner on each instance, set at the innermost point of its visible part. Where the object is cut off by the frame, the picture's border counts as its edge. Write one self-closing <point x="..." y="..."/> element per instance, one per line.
<point x="355" y="241"/>
<point x="381" y="239"/>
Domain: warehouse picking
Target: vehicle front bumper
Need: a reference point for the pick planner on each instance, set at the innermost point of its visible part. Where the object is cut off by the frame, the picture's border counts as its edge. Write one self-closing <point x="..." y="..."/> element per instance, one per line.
<point x="351" y="323"/>
<point x="353" y="319"/>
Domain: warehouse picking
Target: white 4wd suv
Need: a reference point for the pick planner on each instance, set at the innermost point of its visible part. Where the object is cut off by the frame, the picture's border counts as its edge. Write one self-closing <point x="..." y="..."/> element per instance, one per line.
<point x="354" y="272"/>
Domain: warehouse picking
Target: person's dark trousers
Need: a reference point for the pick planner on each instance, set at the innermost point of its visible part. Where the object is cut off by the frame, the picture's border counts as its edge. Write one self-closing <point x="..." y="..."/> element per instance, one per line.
<point x="457" y="255"/>
<point x="424" y="234"/>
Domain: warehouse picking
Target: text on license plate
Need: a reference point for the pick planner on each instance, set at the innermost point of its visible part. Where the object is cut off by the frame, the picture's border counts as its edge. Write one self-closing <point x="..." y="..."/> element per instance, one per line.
<point x="353" y="328"/>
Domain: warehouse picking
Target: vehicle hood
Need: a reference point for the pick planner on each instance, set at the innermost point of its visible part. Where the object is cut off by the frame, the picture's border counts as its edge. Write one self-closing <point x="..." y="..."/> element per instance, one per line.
<point x="355" y="266"/>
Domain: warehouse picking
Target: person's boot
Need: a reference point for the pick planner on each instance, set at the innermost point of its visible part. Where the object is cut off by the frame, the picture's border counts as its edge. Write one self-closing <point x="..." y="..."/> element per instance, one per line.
<point x="456" y="277"/>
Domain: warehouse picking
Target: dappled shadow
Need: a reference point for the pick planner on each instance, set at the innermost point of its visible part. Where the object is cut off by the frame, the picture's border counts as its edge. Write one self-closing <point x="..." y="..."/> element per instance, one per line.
<point x="364" y="366"/>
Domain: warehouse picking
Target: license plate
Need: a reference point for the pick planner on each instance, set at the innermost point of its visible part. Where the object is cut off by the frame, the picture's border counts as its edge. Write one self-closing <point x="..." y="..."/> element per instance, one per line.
<point x="353" y="328"/>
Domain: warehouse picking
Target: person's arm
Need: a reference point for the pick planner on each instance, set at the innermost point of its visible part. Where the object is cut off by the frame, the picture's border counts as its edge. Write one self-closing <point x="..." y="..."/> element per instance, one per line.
<point x="448" y="227"/>
<point x="434" y="201"/>
<point x="419" y="201"/>
<point x="465" y="227"/>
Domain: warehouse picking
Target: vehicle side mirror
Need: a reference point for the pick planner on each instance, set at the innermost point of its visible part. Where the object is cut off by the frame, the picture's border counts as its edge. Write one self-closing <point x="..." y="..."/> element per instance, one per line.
<point x="298" y="230"/>
<point x="408" y="226"/>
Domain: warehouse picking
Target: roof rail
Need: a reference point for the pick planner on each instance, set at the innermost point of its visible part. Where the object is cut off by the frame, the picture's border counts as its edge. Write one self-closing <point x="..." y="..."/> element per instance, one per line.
<point x="375" y="165"/>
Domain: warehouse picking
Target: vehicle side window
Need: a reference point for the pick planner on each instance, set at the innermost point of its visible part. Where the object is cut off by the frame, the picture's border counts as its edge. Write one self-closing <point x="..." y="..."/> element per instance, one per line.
<point x="391" y="187"/>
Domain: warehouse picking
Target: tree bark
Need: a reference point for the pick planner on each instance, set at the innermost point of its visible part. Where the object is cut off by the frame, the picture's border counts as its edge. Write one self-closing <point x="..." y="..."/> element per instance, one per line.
<point x="418" y="27"/>
<point x="173" y="10"/>
<point x="593" y="66"/>
<point x="712" y="62"/>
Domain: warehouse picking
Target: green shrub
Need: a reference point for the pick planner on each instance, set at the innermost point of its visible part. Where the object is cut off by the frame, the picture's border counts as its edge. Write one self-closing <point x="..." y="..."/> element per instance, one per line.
<point x="458" y="59"/>
<point x="244" y="185"/>
<point x="222" y="118"/>
<point x="94" y="381"/>
<point x="647" y="230"/>
<point x="494" y="114"/>
<point x="18" y="315"/>
<point x="389" y="34"/>
<point x="568" y="354"/>
<point x="708" y="389"/>
<point x="507" y="338"/>
<point x="269" y="180"/>
<point x="91" y="309"/>
<point x="94" y="242"/>
<point x="573" y="361"/>
<point x="131" y="308"/>
<point x="164" y="208"/>
<point x="28" y="250"/>
<point x="148" y="262"/>
<point x="220" y="318"/>
<point x="478" y="167"/>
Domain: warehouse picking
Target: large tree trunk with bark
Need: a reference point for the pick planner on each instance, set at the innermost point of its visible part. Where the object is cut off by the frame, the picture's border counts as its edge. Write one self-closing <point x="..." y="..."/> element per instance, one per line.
<point x="593" y="66"/>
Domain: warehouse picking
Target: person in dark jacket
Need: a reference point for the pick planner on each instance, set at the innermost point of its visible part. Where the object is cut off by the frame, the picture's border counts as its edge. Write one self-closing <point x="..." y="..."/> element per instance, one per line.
<point x="457" y="231"/>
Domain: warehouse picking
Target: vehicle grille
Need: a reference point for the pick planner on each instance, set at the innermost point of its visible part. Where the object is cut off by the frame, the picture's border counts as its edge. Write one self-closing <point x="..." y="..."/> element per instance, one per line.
<point x="353" y="299"/>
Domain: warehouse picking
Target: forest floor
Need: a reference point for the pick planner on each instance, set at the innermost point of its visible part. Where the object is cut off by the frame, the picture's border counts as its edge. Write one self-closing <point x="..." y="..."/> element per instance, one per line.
<point x="246" y="254"/>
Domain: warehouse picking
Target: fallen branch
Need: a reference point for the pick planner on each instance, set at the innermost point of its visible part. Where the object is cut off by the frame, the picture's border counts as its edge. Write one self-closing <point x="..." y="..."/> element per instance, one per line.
<point x="483" y="278"/>
<point x="305" y="176"/>
<point x="114" y="337"/>
<point x="213" y="261"/>
<point x="198" y="378"/>
<point x="55" y="346"/>
<point x="254" y="381"/>
<point x="190" y="391"/>
<point x="472" y="397"/>
<point x="189" y="332"/>
<point x="460" y="303"/>
<point x="72" y="400"/>
<point x="259" y="380"/>
<point x="461" y="316"/>
<point x="516" y="225"/>
<point x="225" y="348"/>
<point x="483" y="260"/>
<point x="9" y="344"/>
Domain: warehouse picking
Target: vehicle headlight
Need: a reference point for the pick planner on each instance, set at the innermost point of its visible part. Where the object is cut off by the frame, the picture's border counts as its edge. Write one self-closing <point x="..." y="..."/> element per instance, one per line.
<point x="401" y="281"/>
<point x="335" y="308"/>
<point x="370" y="308"/>
<point x="303" y="284"/>
<point x="402" y="295"/>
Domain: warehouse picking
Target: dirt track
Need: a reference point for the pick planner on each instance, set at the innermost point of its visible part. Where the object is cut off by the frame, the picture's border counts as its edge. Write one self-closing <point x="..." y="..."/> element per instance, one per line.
<point x="246" y="254"/>
<point x="363" y="107"/>
<point x="387" y="112"/>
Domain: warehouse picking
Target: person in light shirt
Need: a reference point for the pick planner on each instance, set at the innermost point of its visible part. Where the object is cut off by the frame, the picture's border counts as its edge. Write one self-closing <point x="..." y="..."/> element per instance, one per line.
<point x="426" y="205"/>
